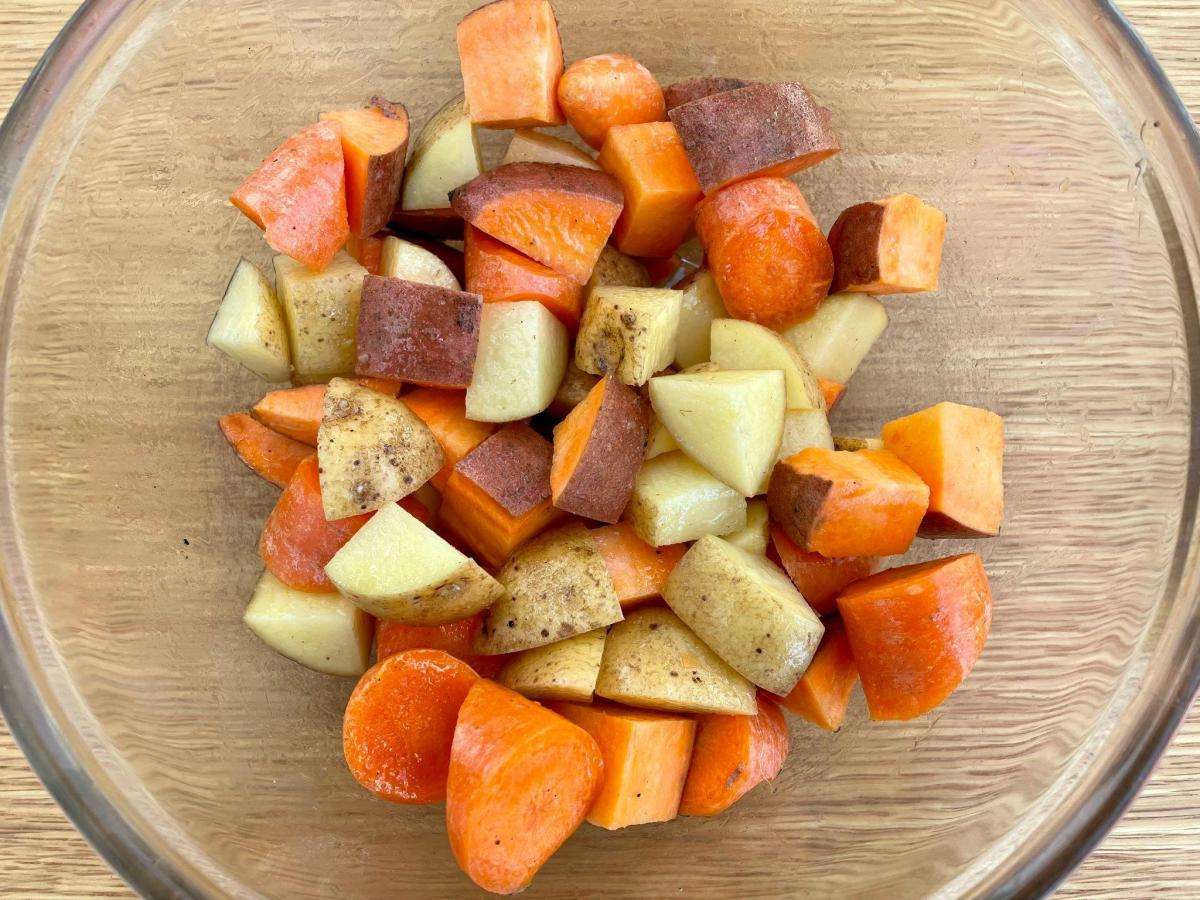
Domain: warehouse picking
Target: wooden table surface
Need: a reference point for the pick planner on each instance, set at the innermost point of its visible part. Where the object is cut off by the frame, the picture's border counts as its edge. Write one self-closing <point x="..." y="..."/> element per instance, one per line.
<point x="1151" y="852"/>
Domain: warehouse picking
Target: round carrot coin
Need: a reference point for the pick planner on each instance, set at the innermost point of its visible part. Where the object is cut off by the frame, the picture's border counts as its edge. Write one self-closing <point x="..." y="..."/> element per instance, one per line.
<point x="611" y="89"/>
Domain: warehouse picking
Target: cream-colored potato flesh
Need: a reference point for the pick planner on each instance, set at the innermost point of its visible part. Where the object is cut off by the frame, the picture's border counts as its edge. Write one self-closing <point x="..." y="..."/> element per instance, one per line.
<point x="249" y="326"/>
<point x="700" y="306"/>
<point x="745" y="345"/>
<point x="321" y="309"/>
<point x="754" y="536"/>
<point x="403" y="259"/>
<point x="837" y="337"/>
<point x="445" y="156"/>
<point x="521" y="361"/>
<point x="566" y="670"/>
<point x="674" y="500"/>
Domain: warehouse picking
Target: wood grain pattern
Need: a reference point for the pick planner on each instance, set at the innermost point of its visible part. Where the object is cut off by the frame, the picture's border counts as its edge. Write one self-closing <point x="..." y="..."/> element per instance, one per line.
<point x="1151" y="852"/>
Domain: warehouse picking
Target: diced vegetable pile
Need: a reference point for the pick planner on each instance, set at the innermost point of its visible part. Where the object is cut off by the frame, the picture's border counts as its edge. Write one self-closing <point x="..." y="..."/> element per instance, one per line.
<point x="546" y="446"/>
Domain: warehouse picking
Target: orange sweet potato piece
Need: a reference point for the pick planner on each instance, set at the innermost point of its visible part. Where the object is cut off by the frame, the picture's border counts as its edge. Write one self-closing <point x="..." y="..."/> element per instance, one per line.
<point x="732" y="756"/>
<point x="682" y="92"/>
<point x="959" y="452"/>
<point x="445" y="413"/>
<point x="511" y="60"/>
<point x="296" y="412"/>
<point x="917" y="631"/>
<point x="272" y="455"/>
<point x="598" y="449"/>
<point x="819" y="578"/>
<point x="298" y="196"/>
<point x="646" y="758"/>
<point x="832" y="392"/>
<point x="638" y="570"/>
<point x="400" y="721"/>
<point x="367" y="251"/>
<point x="891" y="246"/>
<point x="443" y="224"/>
<point x="660" y="188"/>
<point x="823" y="692"/>
<point x="771" y="262"/>
<point x="522" y="778"/>
<point x="560" y="216"/>
<point x="758" y="131"/>
<point x="374" y="146"/>
<point x="606" y="90"/>
<point x="500" y="274"/>
<point x="454" y="638"/>
<point x="841" y="503"/>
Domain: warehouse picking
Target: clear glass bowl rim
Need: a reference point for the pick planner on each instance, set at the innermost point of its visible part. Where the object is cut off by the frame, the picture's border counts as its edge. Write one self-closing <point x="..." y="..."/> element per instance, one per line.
<point x="1033" y="870"/>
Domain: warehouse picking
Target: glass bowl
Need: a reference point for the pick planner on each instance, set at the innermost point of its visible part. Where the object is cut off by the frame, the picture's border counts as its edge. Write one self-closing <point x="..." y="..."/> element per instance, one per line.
<point x="201" y="764"/>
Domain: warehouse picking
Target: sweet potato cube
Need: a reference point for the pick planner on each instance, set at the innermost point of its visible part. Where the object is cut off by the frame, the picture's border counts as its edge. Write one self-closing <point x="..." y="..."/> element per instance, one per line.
<point x="511" y="60"/>
<point x="817" y="577"/>
<point x="759" y="131"/>
<point x="419" y="333"/>
<point x="891" y="246"/>
<point x="836" y="503"/>
<point x="823" y="692"/>
<point x="374" y="146"/>
<point x="444" y="413"/>
<point x="660" y="188"/>
<point x="560" y="216"/>
<point x="917" y="631"/>
<point x="500" y="274"/>
<point x="638" y="570"/>
<point x="959" y="452"/>
<point x="682" y="92"/>
<point x="598" y="449"/>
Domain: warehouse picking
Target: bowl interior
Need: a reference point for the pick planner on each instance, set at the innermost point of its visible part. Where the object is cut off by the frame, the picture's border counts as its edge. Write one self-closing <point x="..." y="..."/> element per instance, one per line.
<point x="1065" y="306"/>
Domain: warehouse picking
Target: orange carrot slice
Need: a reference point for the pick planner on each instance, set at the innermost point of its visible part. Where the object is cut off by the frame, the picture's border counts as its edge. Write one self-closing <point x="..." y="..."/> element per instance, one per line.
<point x="298" y="196"/>
<point x="818" y="578"/>
<point x="522" y="778"/>
<point x="445" y="412"/>
<point x="399" y="724"/>
<point x="296" y="412"/>
<point x="638" y="570"/>
<point x="823" y="692"/>
<point x="917" y="631"/>
<point x="454" y="638"/>
<point x="499" y="274"/>
<point x="374" y="146"/>
<point x="269" y="454"/>
<point x="600" y="92"/>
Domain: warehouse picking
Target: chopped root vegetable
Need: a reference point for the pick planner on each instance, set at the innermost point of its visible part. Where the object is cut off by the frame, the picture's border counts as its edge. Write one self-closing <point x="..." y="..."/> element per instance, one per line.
<point x="374" y="145"/>
<point x="835" y="503"/>
<point x="831" y="391"/>
<point x="442" y="224"/>
<point x="511" y="61"/>
<point x="917" y="631"/>
<point x="522" y="779"/>
<point x="500" y="274"/>
<point x="823" y="692"/>
<point x="272" y="455"/>
<point x="662" y="270"/>
<point x="298" y="196"/>
<point x="646" y="759"/>
<point x="598" y="449"/>
<point x="367" y="251"/>
<point x="560" y="216"/>
<point x="891" y="246"/>
<point x="454" y="638"/>
<point x="533" y="146"/>
<point x="296" y="412"/>
<point x="660" y="188"/>
<point x="959" y="452"/>
<point x="732" y="756"/>
<point x="638" y="570"/>
<point x="445" y="414"/>
<point x="771" y="262"/>
<point x="600" y="92"/>
<point x="682" y="92"/>
<point x="818" y="578"/>
<point x="400" y="721"/>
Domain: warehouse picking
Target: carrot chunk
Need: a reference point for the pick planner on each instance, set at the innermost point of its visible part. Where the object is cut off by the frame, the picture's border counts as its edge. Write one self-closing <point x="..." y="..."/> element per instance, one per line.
<point x="917" y="631"/>
<point x="819" y="578"/>
<point x="500" y="274"/>
<point x="298" y="196"/>
<point x="646" y="759"/>
<point x="560" y="216"/>
<point x="660" y="188"/>
<point x="598" y="449"/>
<point x="445" y="412"/>
<point x="374" y="146"/>
<point x="823" y="692"/>
<point x="272" y="455"/>
<point x="511" y="59"/>
<point x="771" y="262"/>
<point x="732" y="756"/>
<point x="959" y="452"/>
<point x="522" y="778"/>
<point x="454" y="638"/>
<point x="399" y="724"/>
<point x="891" y="246"/>
<point x="839" y="503"/>
<point x="603" y="91"/>
<point x="296" y="412"/>
<point x="831" y="391"/>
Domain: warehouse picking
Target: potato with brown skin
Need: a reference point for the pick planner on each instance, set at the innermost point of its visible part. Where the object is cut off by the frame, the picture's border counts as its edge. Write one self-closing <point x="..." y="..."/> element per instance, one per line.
<point x="891" y="246"/>
<point x="574" y="388"/>
<point x="533" y="146"/>
<point x="760" y="131"/>
<point x="445" y="156"/>
<point x="629" y="332"/>
<point x="682" y="92"/>
<point x="614" y="267"/>
<point x="564" y="670"/>
<point x="420" y="333"/>
<point x="558" y="586"/>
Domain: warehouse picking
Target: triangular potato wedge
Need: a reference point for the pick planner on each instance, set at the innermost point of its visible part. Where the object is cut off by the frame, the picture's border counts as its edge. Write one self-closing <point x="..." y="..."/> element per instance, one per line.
<point x="565" y="670"/>
<point x="735" y="344"/>
<point x="249" y="325"/>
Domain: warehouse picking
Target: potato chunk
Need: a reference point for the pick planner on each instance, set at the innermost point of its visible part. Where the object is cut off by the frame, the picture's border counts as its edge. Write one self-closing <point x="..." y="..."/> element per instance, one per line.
<point x="404" y="259"/>
<point x="322" y="314"/>
<point x="249" y="326"/>
<point x="564" y="670"/>
<point x="533" y="146"/>
<point x="521" y="361"/>
<point x="837" y="337"/>
<point x="700" y="306"/>
<point x="675" y="500"/>
<point x="737" y="345"/>
<point x="445" y="156"/>
<point x="628" y="331"/>
<point x="754" y="537"/>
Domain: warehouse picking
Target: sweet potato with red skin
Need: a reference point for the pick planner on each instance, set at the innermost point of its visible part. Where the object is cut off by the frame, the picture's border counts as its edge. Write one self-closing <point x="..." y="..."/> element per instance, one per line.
<point x="771" y="262"/>
<point x="838" y="503"/>
<point x="444" y="412"/>
<point x="598" y="449"/>
<point x="511" y="60"/>
<point x="296" y="412"/>
<point x="819" y="578"/>
<point x="298" y="196"/>
<point x="273" y="456"/>
<point x="418" y="333"/>
<point x="374" y="146"/>
<point x="561" y="216"/>
<point x="682" y="92"/>
<point x="500" y="274"/>
<point x="454" y="638"/>
<point x="916" y="632"/>
<point x="891" y="246"/>
<point x="823" y="692"/>
<point x="444" y="224"/>
<point x="759" y="131"/>
<point x="606" y="90"/>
